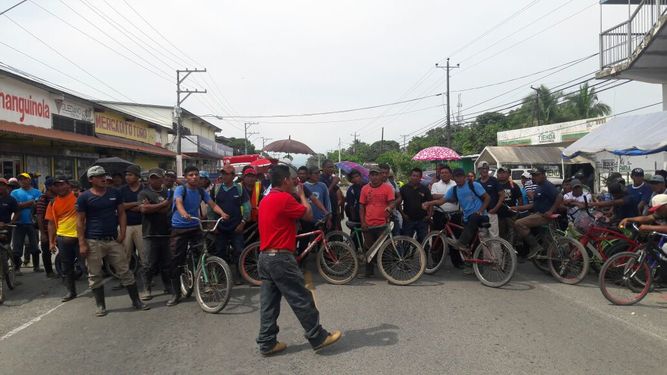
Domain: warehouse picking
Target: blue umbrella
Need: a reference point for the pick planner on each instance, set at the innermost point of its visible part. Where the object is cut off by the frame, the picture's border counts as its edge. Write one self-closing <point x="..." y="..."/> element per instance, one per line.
<point x="348" y="166"/>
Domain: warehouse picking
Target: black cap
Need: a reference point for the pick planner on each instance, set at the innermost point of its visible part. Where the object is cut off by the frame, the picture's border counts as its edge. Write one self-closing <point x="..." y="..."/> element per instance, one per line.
<point x="458" y="172"/>
<point x="134" y="169"/>
<point x="503" y="169"/>
<point x="538" y="170"/>
<point x="170" y="172"/>
<point x="156" y="172"/>
<point x="60" y="178"/>
<point x="637" y="172"/>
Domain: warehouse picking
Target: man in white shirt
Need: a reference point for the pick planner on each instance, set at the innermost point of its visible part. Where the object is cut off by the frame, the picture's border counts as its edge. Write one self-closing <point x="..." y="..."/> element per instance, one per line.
<point x="441" y="213"/>
<point x="576" y="195"/>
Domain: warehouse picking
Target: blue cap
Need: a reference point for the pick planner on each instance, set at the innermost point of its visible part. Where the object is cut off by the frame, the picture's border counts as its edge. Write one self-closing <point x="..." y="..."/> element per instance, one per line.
<point x="203" y="174"/>
<point x="48" y="182"/>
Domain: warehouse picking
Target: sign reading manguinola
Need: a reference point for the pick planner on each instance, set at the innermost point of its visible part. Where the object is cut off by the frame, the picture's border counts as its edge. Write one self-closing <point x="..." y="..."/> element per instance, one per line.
<point x="109" y="124"/>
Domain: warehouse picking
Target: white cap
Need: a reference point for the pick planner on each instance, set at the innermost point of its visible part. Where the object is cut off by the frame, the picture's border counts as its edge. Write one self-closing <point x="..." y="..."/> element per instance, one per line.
<point x="526" y="175"/>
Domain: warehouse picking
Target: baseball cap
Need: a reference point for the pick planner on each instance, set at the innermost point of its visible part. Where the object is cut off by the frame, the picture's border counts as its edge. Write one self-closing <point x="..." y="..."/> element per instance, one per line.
<point x="204" y="174"/>
<point x="134" y="169"/>
<point x="95" y="171"/>
<point x="48" y="182"/>
<point x="503" y="169"/>
<point x="3" y="181"/>
<point x="575" y="183"/>
<point x="60" y="178"/>
<point x="155" y="172"/>
<point x="526" y="174"/>
<point x="374" y="169"/>
<point x="458" y="172"/>
<point x="170" y="172"/>
<point x="13" y="181"/>
<point x="482" y="165"/>
<point x="227" y="169"/>
<point x="657" y="201"/>
<point x="251" y="171"/>
<point x="637" y="172"/>
<point x="657" y="179"/>
<point x="537" y="170"/>
<point x="24" y="175"/>
<point x="108" y="177"/>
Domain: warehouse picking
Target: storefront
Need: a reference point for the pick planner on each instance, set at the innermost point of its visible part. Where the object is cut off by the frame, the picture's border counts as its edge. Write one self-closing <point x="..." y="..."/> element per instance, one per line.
<point x="204" y="153"/>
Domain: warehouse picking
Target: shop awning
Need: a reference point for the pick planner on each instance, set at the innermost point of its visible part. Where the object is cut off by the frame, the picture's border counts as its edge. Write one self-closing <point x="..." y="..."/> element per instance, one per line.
<point x="67" y="137"/>
<point x="523" y="154"/>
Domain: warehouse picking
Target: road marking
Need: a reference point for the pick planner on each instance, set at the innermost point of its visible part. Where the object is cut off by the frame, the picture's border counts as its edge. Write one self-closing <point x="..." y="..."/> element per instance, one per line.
<point x="596" y="310"/>
<point x="308" y="277"/>
<point x="42" y="316"/>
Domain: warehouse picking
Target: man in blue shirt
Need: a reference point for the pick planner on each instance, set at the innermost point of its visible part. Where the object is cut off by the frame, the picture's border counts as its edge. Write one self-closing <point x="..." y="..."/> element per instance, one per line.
<point x="321" y="192"/>
<point x="545" y="201"/>
<point x="233" y="199"/>
<point x="640" y="190"/>
<point x="26" y="197"/>
<point x="473" y="200"/>
<point x="185" y="231"/>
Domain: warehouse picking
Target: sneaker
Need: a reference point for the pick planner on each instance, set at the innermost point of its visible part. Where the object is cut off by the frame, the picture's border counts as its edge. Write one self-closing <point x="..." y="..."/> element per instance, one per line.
<point x="330" y="340"/>
<point x="533" y="252"/>
<point x="279" y="347"/>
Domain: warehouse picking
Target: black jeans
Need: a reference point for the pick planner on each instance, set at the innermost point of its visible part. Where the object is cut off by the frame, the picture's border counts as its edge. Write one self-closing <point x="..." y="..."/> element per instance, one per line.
<point x="20" y="231"/>
<point x="471" y="227"/>
<point x="178" y="246"/>
<point x="68" y="247"/>
<point x="46" y="257"/>
<point x="222" y="242"/>
<point x="411" y="227"/>
<point x="280" y="277"/>
<point x="156" y="259"/>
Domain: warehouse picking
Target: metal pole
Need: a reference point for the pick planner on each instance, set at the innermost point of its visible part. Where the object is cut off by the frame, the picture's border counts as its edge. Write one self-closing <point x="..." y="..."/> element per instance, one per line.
<point x="382" y="141"/>
<point x="340" y="175"/>
<point x="177" y="109"/>
<point x="537" y="104"/>
<point x="246" y="134"/>
<point x="449" y="116"/>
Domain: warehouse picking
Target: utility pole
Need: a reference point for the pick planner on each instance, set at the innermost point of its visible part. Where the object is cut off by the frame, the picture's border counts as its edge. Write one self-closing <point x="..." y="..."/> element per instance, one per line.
<point x="382" y="141"/>
<point x="537" y="104"/>
<point x="449" y="116"/>
<point x="246" y="126"/>
<point x="339" y="158"/>
<point x="405" y="143"/>
<point x="264" y="139"/>
<point x="177" y="112"/>
<point x="354" y="145"/>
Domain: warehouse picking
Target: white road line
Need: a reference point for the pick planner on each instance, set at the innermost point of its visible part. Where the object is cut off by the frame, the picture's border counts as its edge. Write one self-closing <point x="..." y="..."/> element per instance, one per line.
<point x="41" y="316"/>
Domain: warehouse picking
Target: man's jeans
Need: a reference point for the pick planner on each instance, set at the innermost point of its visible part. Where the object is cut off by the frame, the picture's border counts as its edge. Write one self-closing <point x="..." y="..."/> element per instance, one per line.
<point x="68" y="248"/>
<point x="411" y="227"/>
<point x="523" y="226"/>
<point x="222" y="242"/>
<point x="115" y="255"/>
<point x="178" y="246"/>
<point x="280" y="277"/>
<point x="20" y="231"/>
<point x="133" y="240"/>
<point x="471" y="227"/>
<point x="156" y="259"/>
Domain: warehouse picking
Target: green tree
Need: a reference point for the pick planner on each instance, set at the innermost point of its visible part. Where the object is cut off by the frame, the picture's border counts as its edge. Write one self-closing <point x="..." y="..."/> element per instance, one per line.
<point x="585" y="104"/>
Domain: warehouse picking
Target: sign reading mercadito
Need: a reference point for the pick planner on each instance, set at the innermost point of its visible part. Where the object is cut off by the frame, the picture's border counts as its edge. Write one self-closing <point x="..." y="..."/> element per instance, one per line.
<point x="108" y="124"/>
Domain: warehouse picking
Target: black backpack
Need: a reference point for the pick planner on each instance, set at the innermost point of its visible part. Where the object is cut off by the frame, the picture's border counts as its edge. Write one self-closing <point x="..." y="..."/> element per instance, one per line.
<point x="471" y="186"/>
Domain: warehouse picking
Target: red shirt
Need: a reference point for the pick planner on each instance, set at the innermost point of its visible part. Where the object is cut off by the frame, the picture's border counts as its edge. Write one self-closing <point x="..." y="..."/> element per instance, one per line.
<point x="278" y="213"/>
<point x="375" y="201"/>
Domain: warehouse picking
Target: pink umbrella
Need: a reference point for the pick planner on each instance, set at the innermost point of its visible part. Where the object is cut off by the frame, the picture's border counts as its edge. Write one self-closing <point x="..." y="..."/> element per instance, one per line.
<point x="436" y="153"/>
<point x="261" y="163"/>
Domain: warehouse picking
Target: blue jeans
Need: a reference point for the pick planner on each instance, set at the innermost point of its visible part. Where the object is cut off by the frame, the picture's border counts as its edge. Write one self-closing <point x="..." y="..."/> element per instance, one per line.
<point x="411" y="227"/>
<point x="20" y="231"/>
<point x="68" y="247"/>
<point x="281" y="276"/>
<point x="222" y="243"/>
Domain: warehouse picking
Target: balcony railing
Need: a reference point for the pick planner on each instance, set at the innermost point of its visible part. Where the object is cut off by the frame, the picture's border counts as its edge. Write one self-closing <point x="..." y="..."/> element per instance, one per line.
<point x="618" y="43"/>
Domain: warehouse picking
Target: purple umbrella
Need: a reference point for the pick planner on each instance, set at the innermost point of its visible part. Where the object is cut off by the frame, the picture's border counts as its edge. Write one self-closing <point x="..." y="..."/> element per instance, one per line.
<point x="348" y="166"/>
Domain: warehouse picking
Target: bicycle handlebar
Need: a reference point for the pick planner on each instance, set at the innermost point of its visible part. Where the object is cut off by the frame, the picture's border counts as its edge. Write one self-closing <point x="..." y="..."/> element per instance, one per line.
<point x="201" y="227"/>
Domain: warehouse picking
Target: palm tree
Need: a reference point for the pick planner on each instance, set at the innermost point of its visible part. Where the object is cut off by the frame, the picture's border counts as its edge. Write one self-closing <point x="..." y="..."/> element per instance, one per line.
<point x="585" y="104"/>
<point x="546" y="101"/>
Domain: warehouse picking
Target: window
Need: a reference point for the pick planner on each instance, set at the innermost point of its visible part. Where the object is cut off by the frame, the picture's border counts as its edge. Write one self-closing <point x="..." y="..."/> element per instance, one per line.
<point x="64" y="167"/>
<point x="73" y="126"/>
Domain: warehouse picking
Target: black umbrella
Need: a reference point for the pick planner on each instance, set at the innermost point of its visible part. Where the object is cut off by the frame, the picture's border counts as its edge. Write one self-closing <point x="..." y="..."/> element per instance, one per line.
<point x="111" y="165"/>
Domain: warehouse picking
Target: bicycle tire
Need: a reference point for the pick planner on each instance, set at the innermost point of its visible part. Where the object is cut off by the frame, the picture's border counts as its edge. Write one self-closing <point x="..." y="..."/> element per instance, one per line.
<point x="215" y="267"/>
<point x="337" y="264"/>
<point x="3" y="266"/>
<point x="249" y="264"/>
<point x="134" y="267"/>
<point x="10" y="272"/>
<point x="617" y="246"/>
<point x="618" y="272"/>
<point x="405" y="271"/>
<point x="340" y="236"/>
<point x="504" y="262"/>
<point x="568" y="260"/>
<point x="436" y="249"/>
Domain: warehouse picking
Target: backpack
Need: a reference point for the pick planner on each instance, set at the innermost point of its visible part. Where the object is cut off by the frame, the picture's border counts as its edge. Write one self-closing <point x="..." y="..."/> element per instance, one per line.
<point x="471" y="186"/>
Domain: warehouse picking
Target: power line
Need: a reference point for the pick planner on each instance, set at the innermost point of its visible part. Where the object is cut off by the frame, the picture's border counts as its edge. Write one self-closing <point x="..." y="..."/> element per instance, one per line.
<point x="12" y="7"/>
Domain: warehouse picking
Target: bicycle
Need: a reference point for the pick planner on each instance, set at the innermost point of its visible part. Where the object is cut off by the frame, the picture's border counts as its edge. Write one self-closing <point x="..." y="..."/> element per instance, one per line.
<point x="336" y="261"/>
<point x="7" y="265"/>
<point x="627" y="277"/>
<point x="208" y="276"/>
<point x="491" y="256"/>
<point x="355" y="243"/>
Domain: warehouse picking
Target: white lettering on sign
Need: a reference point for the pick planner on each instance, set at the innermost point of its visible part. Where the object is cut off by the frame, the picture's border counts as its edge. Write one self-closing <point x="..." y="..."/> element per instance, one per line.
<point x="24" y="106"/>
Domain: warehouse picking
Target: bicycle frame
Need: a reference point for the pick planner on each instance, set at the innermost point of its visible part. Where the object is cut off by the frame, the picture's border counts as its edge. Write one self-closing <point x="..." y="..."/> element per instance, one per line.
<point x="596" y="235"/>
<point x="319" y="237"/>
<point x="448" y="231"/>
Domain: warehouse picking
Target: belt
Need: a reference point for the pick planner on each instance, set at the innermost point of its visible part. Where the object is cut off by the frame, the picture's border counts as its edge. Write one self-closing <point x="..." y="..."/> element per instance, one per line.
<point x="102" y="238"/>
<point x="277" y="251"/>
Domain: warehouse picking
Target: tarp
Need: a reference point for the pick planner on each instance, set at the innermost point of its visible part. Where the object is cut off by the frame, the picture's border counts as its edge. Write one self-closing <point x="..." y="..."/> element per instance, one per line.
<point x="628" y="135"/>
<point x="539" y="155"/>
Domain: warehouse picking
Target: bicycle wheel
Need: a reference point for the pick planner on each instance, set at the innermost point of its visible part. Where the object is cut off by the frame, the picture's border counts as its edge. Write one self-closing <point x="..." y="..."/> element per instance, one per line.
<point x="435" y="249"/>
<point x="213" y="284"/>
<point x="249" y="262"/>
<point x="568" y="260"/>
<point x="620" y="278"/>
<point x="10" y="272"/>
<point x="340" y="236"/>
<point x="3" y="267"/>
<point x="337" y="263"/>
<point x="615" y="247"/>
<point x="541" y="260"/>
<point x="494" y="262"/>
<point x="401" y="261"/>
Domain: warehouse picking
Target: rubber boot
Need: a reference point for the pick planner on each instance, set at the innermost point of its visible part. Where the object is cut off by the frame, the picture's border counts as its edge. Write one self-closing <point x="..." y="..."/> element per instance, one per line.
<point x="175" y="292"/>
<point x="134" y="296"/>
<point x="99" y="301"/>
<point x="70" y="285"/>
<point x="166" y="282"/>
<point x="48" y="265"/>
<point x="146" y="295"/>
<point x="35" y="263"/>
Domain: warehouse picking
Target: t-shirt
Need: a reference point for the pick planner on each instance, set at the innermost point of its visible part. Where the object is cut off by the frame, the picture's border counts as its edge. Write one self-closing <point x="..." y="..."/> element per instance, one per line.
<point x="22" y="195"/>
<point x="8" y="206"/>
<point x="40" y="212"/>
<point x="513" y="197"/>
<point x="469" y="201"/>
<point x="413" y="197"/>
<point x="333" y="196"/>
<point x="545" y="197"/>
<point x="156" y="223"/>
<point x="352" y="202"/>
<point x="321" y="192"/>
<point x="101" y="213"/>
<point x="191" y="205"/>
<point x="641" y="193"/>
<point x="583" y="198"/>
<point x="442" y="188"/>
<point x="231" y="199"/>
<point x="628" y="209"/>
<point x="62" y="213"/>
<point x="375" y="200"/>
<point x="129" y="196"/>
<point x="278" y="215"/>
<point x="529" y="187"/>
<point x="492" y="188"/>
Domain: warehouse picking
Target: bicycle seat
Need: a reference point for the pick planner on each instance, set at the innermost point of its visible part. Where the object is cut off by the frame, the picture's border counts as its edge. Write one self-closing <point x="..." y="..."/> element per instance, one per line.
<point x="554" y="216"/>
<point x="352" y="224"/>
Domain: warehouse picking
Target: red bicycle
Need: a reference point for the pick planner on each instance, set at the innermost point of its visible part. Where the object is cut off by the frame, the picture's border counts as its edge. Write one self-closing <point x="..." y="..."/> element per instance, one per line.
<point x="336" y="261"/>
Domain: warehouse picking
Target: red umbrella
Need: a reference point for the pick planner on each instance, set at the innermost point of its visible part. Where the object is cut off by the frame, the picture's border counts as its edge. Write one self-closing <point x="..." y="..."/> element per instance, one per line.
<point x="436" y="153"/>
<point x="261" y="162"/>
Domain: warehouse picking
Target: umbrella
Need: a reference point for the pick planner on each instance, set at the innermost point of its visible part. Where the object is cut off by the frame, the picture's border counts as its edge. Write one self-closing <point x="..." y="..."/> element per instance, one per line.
<point x="261" y="162"/>
<point x="348" y="166"/>
<point x="289" y="146"/>
<point x="111" y="165"/>
<point x="436" y="153"/>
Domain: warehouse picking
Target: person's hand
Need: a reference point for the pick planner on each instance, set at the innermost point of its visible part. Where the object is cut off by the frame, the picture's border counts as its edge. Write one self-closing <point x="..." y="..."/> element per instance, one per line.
<point x="364" y="227"/>
<point x="335" y="180"/>
<point x="121" y="238"/>
<point x="493" y="211"/>
<point x="547" y="215"/>
<point x="299" y="191"/>
<point x="239" y="228"/>
<point x="224" y="216"/>
<point x="623" y="223"/>
<point x="83" y="249"/>
<point x="52" y="247"/>
<point x="480" y="212"/>
<point x="187" y="217"/>
<point x="645" y="228"/>
<point x="425" y="206"/>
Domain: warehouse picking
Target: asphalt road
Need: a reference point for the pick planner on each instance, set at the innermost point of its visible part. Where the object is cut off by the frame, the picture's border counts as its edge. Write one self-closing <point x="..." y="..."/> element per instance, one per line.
<point x="446" y="323"/>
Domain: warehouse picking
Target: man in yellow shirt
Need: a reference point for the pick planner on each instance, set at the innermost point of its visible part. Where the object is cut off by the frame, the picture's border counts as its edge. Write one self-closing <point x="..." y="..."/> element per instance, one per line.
<point x="61" y="215"/>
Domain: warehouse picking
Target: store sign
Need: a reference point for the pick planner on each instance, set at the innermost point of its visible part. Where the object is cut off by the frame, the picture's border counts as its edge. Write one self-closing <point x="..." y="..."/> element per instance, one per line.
<point x="74" y="110"/>
<point x="24" y="104"/>
<point x="549" y="134"/>
<point x="109" y="124"/>
<point x="198" y="144"/>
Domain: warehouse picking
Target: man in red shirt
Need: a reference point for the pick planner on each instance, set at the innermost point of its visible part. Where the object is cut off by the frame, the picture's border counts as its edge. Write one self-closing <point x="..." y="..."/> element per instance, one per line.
<point x="376" y="202"/>
<point x="278" y="269"/>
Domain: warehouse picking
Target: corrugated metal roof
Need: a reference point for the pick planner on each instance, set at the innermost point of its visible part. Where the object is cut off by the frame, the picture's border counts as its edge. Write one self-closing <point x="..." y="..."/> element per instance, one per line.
<point x="157" y="114"/>
<point x="62" y="136"/>
<point x="524" y="154"/>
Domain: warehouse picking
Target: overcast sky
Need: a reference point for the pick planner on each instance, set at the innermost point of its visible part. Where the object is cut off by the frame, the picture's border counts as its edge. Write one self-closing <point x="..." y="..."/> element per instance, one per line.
<point x="290" y="57"/>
